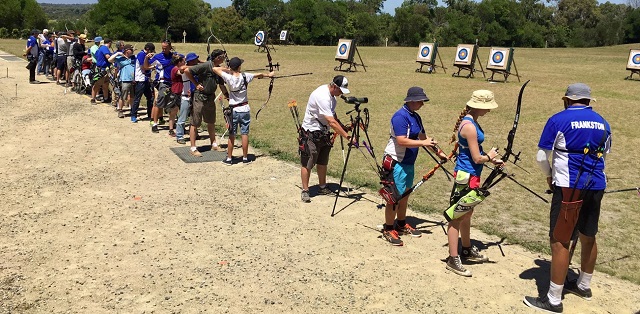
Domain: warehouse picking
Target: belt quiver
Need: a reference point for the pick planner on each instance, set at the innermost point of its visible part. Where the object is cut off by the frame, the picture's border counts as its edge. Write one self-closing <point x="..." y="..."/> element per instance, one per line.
<point x="389" y="192"/>
<point x="568" y="215"/>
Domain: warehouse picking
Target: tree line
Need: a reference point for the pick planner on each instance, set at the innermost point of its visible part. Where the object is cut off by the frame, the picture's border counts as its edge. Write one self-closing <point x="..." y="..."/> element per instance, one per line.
<point x="522" y="23"/>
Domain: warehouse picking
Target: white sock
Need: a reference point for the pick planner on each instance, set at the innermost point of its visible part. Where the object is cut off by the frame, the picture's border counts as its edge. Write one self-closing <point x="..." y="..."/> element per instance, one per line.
<point x="323" y="186"/>
<point x="193" y="148"/>
<point x="228" y="159"/>
<point x="555" y="293"/>
<point x="214" y="145"/>
<point x="584" y="280"/>
<point x="245" y="158"/>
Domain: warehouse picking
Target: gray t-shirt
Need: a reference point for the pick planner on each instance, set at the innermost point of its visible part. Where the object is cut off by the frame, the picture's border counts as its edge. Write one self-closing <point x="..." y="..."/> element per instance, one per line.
<point x="63" y="46"/>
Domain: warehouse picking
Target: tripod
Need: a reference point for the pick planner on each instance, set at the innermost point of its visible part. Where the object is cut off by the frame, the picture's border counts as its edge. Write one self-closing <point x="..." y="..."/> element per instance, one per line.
<point x="357" y="124"/>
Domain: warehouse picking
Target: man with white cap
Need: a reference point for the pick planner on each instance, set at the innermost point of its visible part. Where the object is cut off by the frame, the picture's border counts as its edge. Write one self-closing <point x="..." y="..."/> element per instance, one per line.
<point x="577" y="140"/>
<point x="42" y="49"/>
<point x="319" y="117"/>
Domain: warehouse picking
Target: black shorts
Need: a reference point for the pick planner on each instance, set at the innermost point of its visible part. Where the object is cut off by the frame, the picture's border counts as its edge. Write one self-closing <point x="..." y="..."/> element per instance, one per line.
<point x="589" y="213"/>
<point x="61" y="62"/>
<point x="318" y="154"/>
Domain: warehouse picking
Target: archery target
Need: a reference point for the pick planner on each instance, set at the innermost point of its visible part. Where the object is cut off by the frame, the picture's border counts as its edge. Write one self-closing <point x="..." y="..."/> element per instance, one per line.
<point x="499" y="58"/>
<point x="426" y="52"/>
<point x="634" y="60"/>
<point x="464" y="55"/>
<point x="344" y="49"/>
<point x="259" y="39"/>
<point x="283" y="35"/>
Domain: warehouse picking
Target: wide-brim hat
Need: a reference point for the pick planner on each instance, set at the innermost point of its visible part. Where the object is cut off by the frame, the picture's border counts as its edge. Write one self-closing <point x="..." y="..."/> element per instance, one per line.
<point x="416" y="94"/>
<point x="482" y="99"/>
<point x="82" y="36"/>
<point x="578" y="91"/>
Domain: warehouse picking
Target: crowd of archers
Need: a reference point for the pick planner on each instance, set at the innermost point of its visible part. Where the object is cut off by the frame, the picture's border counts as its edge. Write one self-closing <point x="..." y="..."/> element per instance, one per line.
<point x="572" y="148"/>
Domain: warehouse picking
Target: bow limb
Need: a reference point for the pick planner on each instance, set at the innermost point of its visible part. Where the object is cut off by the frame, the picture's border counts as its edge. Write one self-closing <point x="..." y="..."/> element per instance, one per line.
<point x="269" y="97"/>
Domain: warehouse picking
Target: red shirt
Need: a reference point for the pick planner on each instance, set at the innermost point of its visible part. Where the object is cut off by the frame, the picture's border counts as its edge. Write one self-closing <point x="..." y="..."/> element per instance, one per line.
<point x="86" y="62"/>
<point x="176" y="81"/>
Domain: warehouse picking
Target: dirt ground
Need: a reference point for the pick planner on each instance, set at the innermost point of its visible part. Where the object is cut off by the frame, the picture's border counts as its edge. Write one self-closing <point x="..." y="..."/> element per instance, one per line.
<point x="99" y="216"/>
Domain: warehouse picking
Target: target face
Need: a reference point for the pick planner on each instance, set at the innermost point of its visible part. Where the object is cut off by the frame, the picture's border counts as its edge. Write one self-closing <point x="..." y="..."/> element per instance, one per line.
<point x="464" y="54"/>
<point x="634" y="60"/>
<point x="426" y="52"/>
<point x="499" y="58"/>
<point x="259" y="38"/>
<point x="344" y="49"/>
<point x="283" y="35"/>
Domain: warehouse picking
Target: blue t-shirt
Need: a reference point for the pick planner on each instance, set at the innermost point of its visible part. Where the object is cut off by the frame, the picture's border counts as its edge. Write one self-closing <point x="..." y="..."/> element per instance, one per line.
<point x="464" y="161"/>
<point x="101" y="57"/>
<point x="567" y="133"/>
<point x="163" y="66"/>
<point x="404" y="123"/>
<point x="127" y="68"/>
<point x="140" y="75"/>
<point x="33" y="43"/>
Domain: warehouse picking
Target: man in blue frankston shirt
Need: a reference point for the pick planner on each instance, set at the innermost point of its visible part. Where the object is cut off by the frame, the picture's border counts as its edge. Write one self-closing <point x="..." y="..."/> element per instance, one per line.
<point x="125" y="62"/>
<point x="577" y="140"/>
<point x="102" y="63"/>
<point x="32" y="55"/>
<point x="142" y="83"/>
<point x="162" y="63"/>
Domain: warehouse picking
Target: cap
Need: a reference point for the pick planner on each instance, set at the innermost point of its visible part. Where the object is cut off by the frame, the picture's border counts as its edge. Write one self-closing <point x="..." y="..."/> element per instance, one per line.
<point x="35" y="31"/>
<point x="482" y="99"/>
<point x="341" y="82"/>
<point x="97" y="39"/>
<point x="150" y="46"/>
<point x="191" y="56"/>
<point x="45" y="31"/>
<point x="235" y="63"/>
<point x="107" y="40"/>
<point x="416" y="94"/>
<point x="82" y="36"/>
<point x="128" y="47"/>
<point x="578" y="91"/>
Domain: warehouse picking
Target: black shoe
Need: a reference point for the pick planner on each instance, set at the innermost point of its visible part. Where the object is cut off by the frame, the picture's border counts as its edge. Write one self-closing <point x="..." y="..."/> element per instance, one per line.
<point x="572" y="287"/>
<point x="455" y="265"/>
<point x="93" y="101"/>
<point x="473" y="255"/>
<point x="543" y="304"/>
<point x="154" y="129"/>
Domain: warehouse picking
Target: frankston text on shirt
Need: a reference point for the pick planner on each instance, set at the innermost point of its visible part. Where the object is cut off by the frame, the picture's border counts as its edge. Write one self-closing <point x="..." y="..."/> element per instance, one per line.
<point x="587" y="125"/>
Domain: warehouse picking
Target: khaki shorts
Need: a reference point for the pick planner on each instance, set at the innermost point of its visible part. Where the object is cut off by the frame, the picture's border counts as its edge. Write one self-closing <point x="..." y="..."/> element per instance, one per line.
<point x="127" y="89"/>
<point x="70" y="62"/>
<point x="203" y="110"/>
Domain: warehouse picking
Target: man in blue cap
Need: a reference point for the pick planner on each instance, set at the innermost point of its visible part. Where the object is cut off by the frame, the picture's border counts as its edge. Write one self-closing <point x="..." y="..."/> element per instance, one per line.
<point x="191" y="59"/>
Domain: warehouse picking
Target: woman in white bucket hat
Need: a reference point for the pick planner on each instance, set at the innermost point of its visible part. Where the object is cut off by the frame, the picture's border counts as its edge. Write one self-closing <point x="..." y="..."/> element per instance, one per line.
<point x="469" y="163"/>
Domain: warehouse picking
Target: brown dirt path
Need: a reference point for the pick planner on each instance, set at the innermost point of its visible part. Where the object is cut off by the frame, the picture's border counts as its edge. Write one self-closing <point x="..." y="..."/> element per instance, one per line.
<point x="99" y="216"/>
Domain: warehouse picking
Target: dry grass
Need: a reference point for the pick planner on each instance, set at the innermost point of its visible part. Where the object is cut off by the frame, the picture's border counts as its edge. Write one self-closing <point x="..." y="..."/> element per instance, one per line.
<point x="510" y="211"/>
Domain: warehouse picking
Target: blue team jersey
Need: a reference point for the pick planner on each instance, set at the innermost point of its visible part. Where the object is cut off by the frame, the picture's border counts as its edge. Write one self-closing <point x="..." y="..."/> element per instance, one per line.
<point x="404" y="123"/>
<point x="101" y="57"/>
<point x="163" y="66"/>
<point x="567" y="133"/>
<point x="33" y="43"/>
<point x="464" y="161"/>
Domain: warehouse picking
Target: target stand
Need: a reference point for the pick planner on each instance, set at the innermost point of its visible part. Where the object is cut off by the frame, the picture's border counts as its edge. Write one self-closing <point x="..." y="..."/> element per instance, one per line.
<point x="633" y="64"/>
<point x="427" y="54"/>
<point x="500" y="60"/>
<point x="345" y="55"/>
<point x="261" y="41"/>
<point x="466" y="56"/>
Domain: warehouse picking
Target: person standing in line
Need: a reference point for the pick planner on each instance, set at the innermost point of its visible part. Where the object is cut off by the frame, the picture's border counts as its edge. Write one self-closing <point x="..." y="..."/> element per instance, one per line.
<point x="576" y="140"/>
<point x="204" y="106"/>
<point x="185" y="102"/>
<point x="319" y="118"/>
<point x="32" y="56"/>
<point x="126" y="64"/>
<point x="469" y="164"/>
<point x="238" y="82"/>
<point x="407" y="135"/>
<point x="142" y="83"/>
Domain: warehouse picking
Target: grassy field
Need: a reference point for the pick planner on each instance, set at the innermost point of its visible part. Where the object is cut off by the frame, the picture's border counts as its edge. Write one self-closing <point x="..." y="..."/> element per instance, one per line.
<point x="510" y="212"/>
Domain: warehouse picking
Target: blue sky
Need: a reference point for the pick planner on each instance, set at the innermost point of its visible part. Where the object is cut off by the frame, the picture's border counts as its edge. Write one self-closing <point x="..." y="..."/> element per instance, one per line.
<point x="389" y="5"/>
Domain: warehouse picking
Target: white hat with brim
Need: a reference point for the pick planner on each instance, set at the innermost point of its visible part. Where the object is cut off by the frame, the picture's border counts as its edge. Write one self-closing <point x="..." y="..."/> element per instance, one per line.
<point x="482" y="99"/>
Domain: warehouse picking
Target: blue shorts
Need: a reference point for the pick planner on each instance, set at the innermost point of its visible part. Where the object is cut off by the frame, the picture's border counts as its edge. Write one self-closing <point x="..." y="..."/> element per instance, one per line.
<point x="403" y="176"/>
<point x="242" y="119"/>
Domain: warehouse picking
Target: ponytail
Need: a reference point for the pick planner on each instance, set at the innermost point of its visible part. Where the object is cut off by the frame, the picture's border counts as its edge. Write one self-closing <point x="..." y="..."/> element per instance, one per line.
<point x="455" y="128"/>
